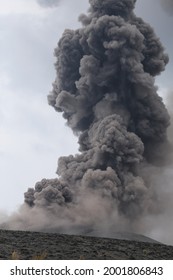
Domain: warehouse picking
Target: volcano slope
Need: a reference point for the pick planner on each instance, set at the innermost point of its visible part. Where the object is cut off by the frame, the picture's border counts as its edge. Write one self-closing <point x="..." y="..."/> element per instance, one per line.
<point x="52" y="246"/>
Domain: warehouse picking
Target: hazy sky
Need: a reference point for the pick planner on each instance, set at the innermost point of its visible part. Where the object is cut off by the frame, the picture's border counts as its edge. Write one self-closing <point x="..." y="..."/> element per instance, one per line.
<point x="32" y="134"/>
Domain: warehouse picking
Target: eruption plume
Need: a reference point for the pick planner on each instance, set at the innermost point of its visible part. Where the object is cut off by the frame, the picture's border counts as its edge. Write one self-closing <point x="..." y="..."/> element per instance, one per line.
<point x="105" y="88"/>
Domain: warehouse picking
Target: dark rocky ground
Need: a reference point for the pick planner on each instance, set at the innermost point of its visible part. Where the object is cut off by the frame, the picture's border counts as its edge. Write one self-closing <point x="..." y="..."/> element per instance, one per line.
<point x="28" y="245"/>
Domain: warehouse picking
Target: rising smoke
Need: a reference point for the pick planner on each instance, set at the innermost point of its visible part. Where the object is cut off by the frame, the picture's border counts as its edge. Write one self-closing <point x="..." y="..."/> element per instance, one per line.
<point x="105" y="88"/>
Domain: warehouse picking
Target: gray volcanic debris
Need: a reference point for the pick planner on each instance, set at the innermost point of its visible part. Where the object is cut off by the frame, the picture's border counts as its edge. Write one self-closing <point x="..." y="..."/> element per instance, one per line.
<point x="105" y="89"/>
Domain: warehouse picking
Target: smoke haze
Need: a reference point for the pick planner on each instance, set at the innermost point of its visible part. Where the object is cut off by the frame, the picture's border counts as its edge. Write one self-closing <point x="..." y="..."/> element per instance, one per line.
<point x="168" y="6"/>
<point x="48" y="3"/>
<point x="105" y="89"/>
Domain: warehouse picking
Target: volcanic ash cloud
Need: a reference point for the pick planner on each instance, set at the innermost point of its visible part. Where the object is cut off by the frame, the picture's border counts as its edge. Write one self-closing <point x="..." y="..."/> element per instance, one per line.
<point x="105" y="89"/>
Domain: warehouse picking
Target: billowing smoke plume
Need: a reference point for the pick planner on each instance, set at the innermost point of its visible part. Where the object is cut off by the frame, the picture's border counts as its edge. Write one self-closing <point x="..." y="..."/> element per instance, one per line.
<point x="48" y="3"/>
<point x="106" y="92"/>
<point x="168" y="6"/>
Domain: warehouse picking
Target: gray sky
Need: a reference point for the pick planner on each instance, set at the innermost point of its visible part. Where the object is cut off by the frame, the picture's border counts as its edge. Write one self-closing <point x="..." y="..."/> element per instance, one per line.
<point x="32" y="135"/>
